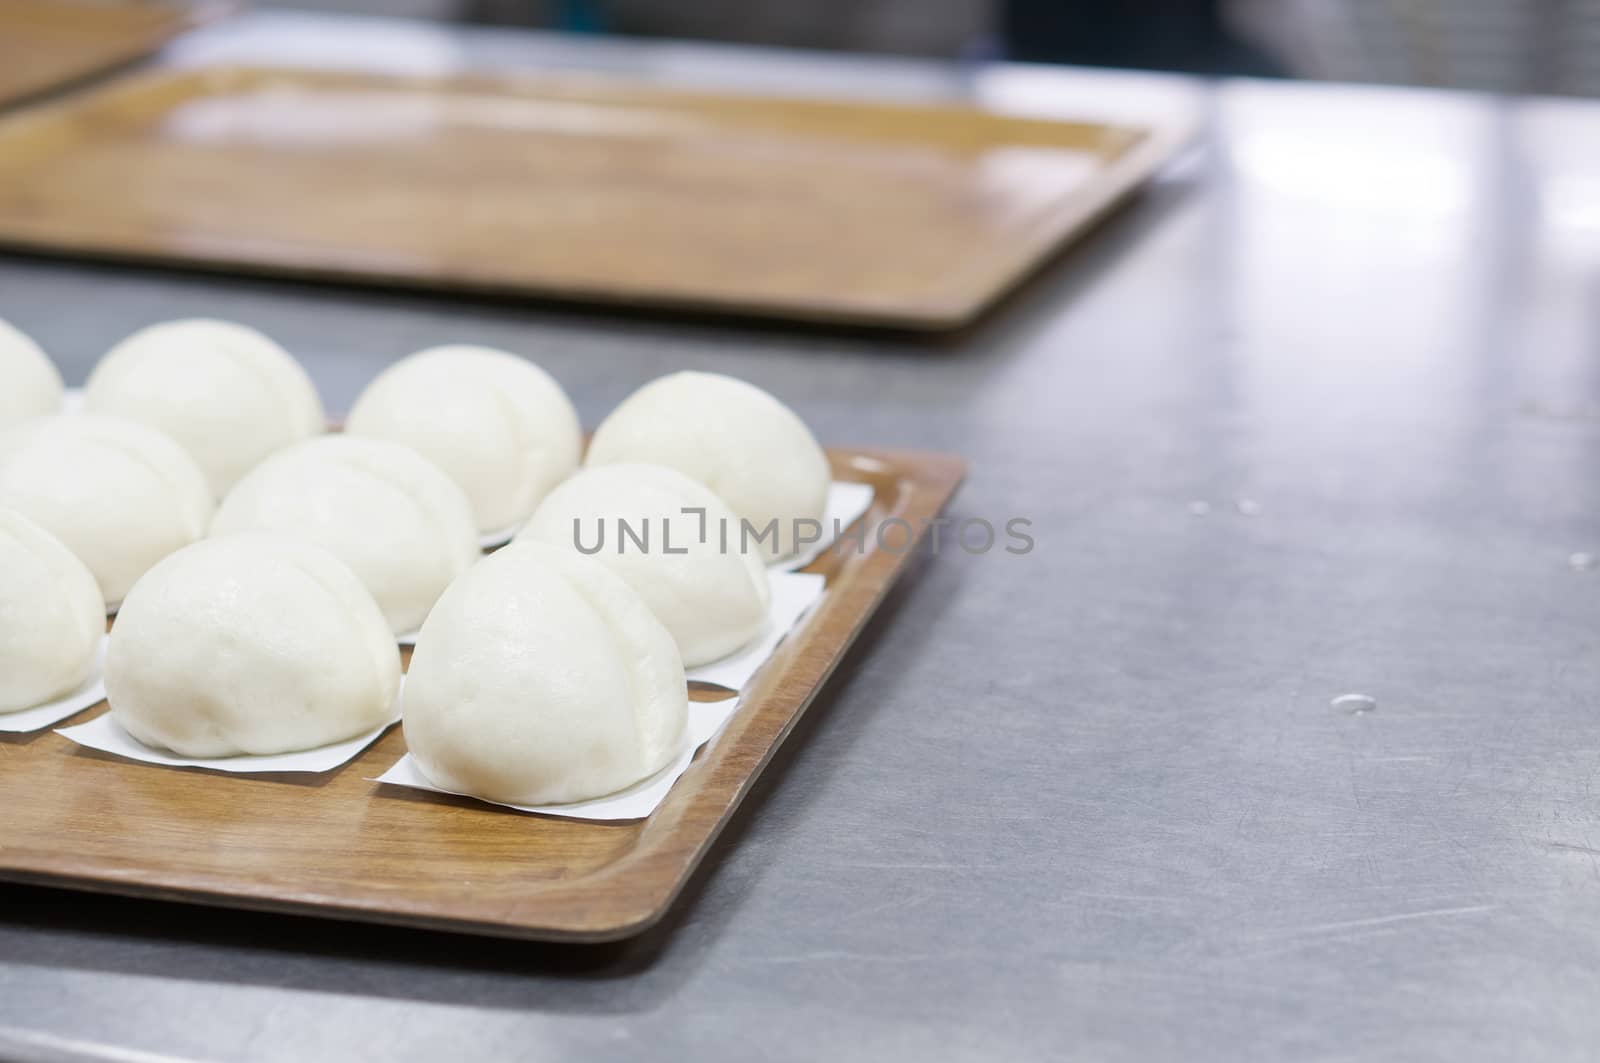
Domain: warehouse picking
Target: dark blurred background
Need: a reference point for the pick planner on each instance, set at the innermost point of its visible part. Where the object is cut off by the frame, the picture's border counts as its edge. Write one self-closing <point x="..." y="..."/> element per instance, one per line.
<point x="1550" y="46"/>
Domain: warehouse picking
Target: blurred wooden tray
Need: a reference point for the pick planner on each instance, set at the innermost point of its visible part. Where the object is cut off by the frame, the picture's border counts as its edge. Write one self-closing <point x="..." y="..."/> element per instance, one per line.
<point x="46" y="43"/>
<point x="340" y="846"/>
<point x="589" y="190"/>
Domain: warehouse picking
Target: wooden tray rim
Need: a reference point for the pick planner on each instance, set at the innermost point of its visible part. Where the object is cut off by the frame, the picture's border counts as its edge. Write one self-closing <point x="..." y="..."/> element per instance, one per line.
<point x="170" y="19"/>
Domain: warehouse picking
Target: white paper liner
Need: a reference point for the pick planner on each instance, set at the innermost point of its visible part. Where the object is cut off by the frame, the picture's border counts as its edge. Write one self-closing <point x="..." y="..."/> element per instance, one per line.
<point x="92" y="692"/>
<point x="493" y="540"/>
<point x="846" y="503"/>
<point x="793" y="595"/>
<point x="706" y="718"/>
<point x="105" y="734"/>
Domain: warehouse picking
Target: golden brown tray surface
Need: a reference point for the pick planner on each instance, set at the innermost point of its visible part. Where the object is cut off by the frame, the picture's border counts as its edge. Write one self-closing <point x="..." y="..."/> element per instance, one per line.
<point x="338" y="845"/>
<point x="592" y="190"/>
<point x="45" y="43"/>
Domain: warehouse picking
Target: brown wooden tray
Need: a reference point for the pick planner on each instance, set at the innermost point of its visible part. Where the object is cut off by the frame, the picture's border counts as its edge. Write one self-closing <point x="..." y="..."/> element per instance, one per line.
<point x="592" y="190"/>
<point x="46" y="43"/>
<point x="340" y="846"/>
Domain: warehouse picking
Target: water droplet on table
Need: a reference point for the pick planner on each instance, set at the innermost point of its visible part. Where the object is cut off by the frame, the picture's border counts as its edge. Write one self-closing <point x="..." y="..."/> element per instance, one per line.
<point x="1582" y="562"/>
<point x="1247" y="507"/>
<point x="1354" y="704"/>
<point x="1199" y="508"/>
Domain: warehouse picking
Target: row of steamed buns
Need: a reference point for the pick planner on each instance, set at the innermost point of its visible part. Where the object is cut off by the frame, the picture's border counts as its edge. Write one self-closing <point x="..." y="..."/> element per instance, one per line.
<point x="541" y="674"/>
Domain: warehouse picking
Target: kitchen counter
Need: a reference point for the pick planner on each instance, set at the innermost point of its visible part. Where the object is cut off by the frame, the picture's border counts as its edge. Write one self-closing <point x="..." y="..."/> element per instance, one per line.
<point x="1318" y="415"/>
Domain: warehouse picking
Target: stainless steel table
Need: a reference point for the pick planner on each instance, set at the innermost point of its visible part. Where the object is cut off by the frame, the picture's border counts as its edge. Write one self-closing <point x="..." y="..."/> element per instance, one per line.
<point x="1319" y="415"/>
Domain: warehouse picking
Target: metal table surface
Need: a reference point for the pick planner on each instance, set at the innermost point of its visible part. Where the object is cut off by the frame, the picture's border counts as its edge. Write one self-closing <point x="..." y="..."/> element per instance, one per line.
<point x="1319" y="414"/>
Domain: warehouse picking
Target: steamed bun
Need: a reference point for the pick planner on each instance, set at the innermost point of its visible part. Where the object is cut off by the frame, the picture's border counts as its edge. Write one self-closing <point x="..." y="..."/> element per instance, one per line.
<point x="51" y="616"/>
<point x="229" y="395"/>
<point x="250" y="644"/>
<point x="712" y="600"/>
<point x="498" y="425"/>
<point x="402" y="526"/>
<point x="540" y="677"/>
<point x="749" y="448"/>
<point x="119" y="495"/>
<point x="30" y="386"/>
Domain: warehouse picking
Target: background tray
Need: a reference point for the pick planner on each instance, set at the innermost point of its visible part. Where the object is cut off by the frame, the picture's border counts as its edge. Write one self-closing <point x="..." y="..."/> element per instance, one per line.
<point x="45" y="43"/>
<point x="338" y="845"/>
<point x="916" y="217"/>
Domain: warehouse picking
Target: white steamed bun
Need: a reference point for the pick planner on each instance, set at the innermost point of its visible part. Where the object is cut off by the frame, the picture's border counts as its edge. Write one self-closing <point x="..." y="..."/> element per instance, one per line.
<point x="712" y="600"/>
<point x="51" y="616"/>
<point x="229" y="395"/>
<point x="749" y="448"/>
<point x="402" y="526"/>
<point x="30" y="386"/>
<point x="253" y="644"/>
<point x="119" y="495"/>
<point x="497" y="424"/>
<point x="540" y="677"/>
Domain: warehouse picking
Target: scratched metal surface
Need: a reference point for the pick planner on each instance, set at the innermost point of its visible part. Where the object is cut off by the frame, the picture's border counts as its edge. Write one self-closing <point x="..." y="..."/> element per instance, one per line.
<point x="1093" y="802"/>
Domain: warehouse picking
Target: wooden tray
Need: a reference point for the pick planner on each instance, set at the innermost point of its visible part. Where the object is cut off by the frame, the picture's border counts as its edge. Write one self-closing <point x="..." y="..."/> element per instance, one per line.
<point x="913" y="217"/>
<point x="45" y="43"/>
<point x="338" y="845"/>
